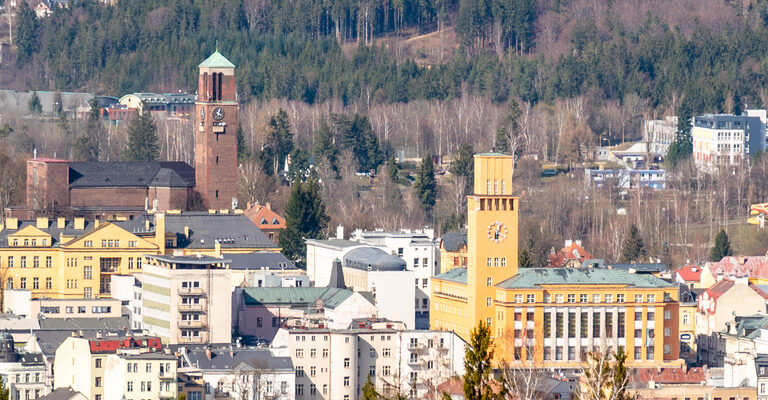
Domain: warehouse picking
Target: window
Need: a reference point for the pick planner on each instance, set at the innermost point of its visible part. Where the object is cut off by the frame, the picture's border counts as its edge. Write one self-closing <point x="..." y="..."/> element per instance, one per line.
<point x="98" y="381"/>
<point x="312" y="388"/>
<point x="48" y="262"/>
<point x="685" y="318"/>
<point x="129" y="387"/>
<point x="299" y="353"/>
<point x="572" y="325"/>
<point x="88" y="243"/>
<point x="595" y="298"/>
<point x="518" y="298"/>
<point x="558" y="298"/>
<point x="36" y="283"/>
<point x="346" y="363"/>
<point x="10" y="261"/>
<point x="313" y="352"/>
<point x="36" y="262"/>
<point x="651" y="298"/>
<point x="638" y="298"/>
<point x="559" y="325"/>
<point x="584" y="325"/>
<point x="299" y="389"/>
<point x="87" y="272"/>
<point x="23" y="284"/>
<point x="148" y="367"/>
<point x="98" y="363"/>
<point x="346" y="381"/>
<point x="325" y="353"/>
<point x="87" y="293"/>
<point x="132" y="243"/>
<point x="609" y="298"/>
<point x="386" y="352"/>
<point x="385" y="370"/>
<point x="547" y="298"/>
<point x="583" y="298"/>
<point x="571" y="298"/>
<point x="488" y="321"/>
<point x="489" y="281"/>
<point x="299" y="371"/>
<point x="530" y="298"/>
<point x="667" y="332"/>
<point x="620" y="298"/>
<point x="424" y="283"/>
<point x="312" y="371"/>
<point x="650" y="315"/>
<point x="547" y="324"/>
<point x="23" y="261"/>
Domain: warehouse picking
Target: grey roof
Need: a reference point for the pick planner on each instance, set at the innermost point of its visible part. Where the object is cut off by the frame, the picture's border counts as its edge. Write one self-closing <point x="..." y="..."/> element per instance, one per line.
<point x="64" y="393"/>
<point x="30" y="358"/>
<point x="111" y="323"/>
<point x="165" y="98"/>
<point x="130" y="174"/>
<point x="373" y="259"/>
<point x="231" y="230"/>
<point x="299" y="297"/>
<point x="452" y="241"/>
<point x="259" y="260"/>
<point x="224" y="358"/>
<point x="455" y="275"/>
<point x="535" y="277"/>
<point x="337" y="276"/>
<point x="335" y="243"/>
<point x="190" y="260"/>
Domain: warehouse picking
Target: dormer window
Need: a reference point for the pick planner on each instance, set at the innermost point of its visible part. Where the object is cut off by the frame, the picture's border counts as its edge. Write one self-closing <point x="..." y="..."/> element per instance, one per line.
<point x="264" y="221"/>
<point x="15" y="242"/>
<point x="26" y="242"/>
<point x="274" y="221"/>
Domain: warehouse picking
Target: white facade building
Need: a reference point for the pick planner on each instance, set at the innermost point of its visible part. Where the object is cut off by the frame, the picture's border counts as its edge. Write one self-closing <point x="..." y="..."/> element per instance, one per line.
<point x="660" y="133"/>
<point x="127" y="289"/>
<point x="411" y="362"/>
<point x="726" y="140"/>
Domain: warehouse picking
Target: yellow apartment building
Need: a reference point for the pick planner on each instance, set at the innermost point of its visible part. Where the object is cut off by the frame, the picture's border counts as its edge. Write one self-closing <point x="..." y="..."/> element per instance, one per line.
<point x="547" y="316"/>
<point x="58" y="258"/>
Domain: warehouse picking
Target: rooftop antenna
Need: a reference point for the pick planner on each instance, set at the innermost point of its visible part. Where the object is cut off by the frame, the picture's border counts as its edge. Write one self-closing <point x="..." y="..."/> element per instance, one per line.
<point x="217" y="45"/>
<point x="34" y="153"/>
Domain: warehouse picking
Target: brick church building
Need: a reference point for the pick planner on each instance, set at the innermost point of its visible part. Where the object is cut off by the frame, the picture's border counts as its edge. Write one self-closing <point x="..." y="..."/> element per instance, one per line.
<point x="112" y="190"/>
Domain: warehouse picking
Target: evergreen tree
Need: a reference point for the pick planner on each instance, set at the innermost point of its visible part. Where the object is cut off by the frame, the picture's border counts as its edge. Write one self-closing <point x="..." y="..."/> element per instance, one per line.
<point x="508" y="129"/>
<point x="323" y="146"/>
<point x="243" y="151"/>
<point x="722" y="247"/>
<point x="633" y="248"/>
<point x="34" y="104"/>
<point x="464" y="165"/>
<point x="86" y="146"/>
<point x="525" y="259"/>
<point x="280" y="143"/>
<point x="305" y="218"/>
<point x="478" y="356"/>
<point x="299" y="165"/>
<point x="425" y="185"/>
<point x="682" y="148"/>
<point x="393" y="171"/>
<point x="142" y="138"/>
<point x="27" y="31"/>
<point x="369" y="390"/>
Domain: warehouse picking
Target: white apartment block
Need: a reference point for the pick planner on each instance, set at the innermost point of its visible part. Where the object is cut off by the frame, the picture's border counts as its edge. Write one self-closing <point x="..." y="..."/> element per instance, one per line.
<point x="140" y="374"/>
<point x="660" y="133"/>
<point x="421" y="252"/>
<point x="334" y="364"/>
<point x="187" y="299"/>
<point x="24" y="374"/>
<point x="127" y="289"/>
<point x="726" y="140"/>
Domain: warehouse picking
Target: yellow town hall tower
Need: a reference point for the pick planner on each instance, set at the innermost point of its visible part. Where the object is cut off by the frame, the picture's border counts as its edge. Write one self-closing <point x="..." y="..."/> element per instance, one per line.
<point x="547" y="317"/>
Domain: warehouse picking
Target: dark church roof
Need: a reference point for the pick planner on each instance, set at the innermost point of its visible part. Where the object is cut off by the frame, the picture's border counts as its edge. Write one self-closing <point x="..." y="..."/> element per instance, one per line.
<point x="130" y="174"/>
<point x="373" y="259"/>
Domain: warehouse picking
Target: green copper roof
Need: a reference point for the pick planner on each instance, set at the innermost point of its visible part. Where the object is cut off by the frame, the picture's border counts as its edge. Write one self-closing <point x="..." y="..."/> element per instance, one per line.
<point x="455" y="275"/>
<point x="295" y="296"/>
<point x="216" y="60"/>
<point x="536" y="277"/>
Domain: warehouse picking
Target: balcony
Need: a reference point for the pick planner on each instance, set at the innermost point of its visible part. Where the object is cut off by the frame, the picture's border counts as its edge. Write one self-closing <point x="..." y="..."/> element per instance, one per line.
<point x="191" y="291"/>
<point x="220" y="394"/>
<point x="414" y="346"/>
<point x="192" y="323"/>
<point x="193" y="339"/>
<point x="191" y="306"/>
<point x="415" y="361"/>
<point x="167" y="394"/>
<point x="165" y="375"/>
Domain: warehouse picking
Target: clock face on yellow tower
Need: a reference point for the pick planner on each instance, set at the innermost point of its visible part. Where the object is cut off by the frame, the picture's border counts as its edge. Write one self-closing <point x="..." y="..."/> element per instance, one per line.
<point x="497" y="232"/>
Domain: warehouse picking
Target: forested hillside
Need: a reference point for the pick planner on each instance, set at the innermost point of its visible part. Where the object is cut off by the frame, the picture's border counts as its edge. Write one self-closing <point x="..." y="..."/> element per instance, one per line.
<point x="537" y="51"/>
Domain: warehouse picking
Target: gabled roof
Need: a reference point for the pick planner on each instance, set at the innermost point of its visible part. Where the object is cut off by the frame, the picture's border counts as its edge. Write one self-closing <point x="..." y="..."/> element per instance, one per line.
<point x="264" y="217"/>
<point x="295" y="296"/>
<point x="641" y="376"/>
<point x="110" y="345"/>
<point x="216" y="60"/>
<point x="719" y="289"/>
<point x="538" y="277"/>
<point x="690" y="273"/>
<point x="573" y="251"/>
<point x="453" y="241"/>
<point x="73" y="324"/>
<point x="224" y="358"/>
<point x="740" y="266"/>
<point x="260" y="259"/>
<point x="130" y="174"/>
<point x="63" y="393"/>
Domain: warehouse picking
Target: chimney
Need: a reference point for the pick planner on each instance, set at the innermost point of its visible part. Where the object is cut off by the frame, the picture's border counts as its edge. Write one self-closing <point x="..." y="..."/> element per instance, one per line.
<point x="269" y="206"/>
<point x="160" y="232"/>
<point x="208" y="353"/>
<point x="186" y="231"/>
<point x="41" y="223"/>
<point x="217" y="249"/>
<point x="12" y="223"/>
<point x="79" y="223"/>
<point x="339" y="232"/>
<point x="146" y="225"/>
<point x="96" y="223"/>
<point x="61" y="223"/>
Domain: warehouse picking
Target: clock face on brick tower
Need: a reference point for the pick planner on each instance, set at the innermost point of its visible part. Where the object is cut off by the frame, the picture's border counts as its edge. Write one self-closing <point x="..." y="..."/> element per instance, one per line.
<point x="497" y="232"/>
<point x="215" y="141"/>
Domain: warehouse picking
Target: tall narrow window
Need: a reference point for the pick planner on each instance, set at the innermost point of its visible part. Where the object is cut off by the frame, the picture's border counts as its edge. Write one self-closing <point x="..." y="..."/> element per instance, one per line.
<point x="215" y="92"/>
<point x="205" y="86"/>
<point x="219" y="84"/>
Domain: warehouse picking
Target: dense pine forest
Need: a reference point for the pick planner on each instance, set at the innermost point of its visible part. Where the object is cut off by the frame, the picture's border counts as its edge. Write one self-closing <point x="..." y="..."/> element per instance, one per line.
<point x="312" y="50"/>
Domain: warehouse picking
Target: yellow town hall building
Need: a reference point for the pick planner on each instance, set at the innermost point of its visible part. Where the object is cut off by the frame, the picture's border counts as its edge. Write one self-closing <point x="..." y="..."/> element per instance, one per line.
<point x="547" y="316"/>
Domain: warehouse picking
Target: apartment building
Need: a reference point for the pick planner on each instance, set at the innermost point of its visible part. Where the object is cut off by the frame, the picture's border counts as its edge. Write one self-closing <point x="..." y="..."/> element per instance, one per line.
<point x="187" y="299"/>
<point x="80" y="362"/>
<point x="725" y="140"/>
<point x="660" y="133"/>
<point x="77" y="258"/>
<point x="140" y="374"/>
<point x="239" y="373"/>
<point x="334" y="364"/>
<point x="421" y="252"/>
<point x="19" y="303"/>
<point x="24" y="374"/>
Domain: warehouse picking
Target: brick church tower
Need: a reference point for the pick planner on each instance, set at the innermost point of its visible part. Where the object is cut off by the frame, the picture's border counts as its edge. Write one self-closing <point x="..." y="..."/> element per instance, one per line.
<point x="216" y="133"/>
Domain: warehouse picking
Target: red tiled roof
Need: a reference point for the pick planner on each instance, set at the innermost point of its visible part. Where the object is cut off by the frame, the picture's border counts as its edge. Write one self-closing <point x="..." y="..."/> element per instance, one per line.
<point x="571" y="252"/>
<point x="668" y="375"/>
<point x="738" y="266"/>
<point x="111" y="345"/>
<point x="264" y="217"/>
<point x="690" y="273"/>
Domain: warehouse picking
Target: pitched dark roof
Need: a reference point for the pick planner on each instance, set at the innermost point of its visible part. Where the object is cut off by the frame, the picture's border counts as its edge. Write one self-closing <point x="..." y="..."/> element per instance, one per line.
<point x="337" y="276"/>
<point x="64" y="393"/>
<point x="50" y="340"/>
<point x="259" y="260"/>
<point x="52" y="229"/>
<point x="453" y="241"/>
<point x="231" y="230"/>
<point x="71" y="324"/>
<point x="130" y="174"/>
<point x="224" y="358"/>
